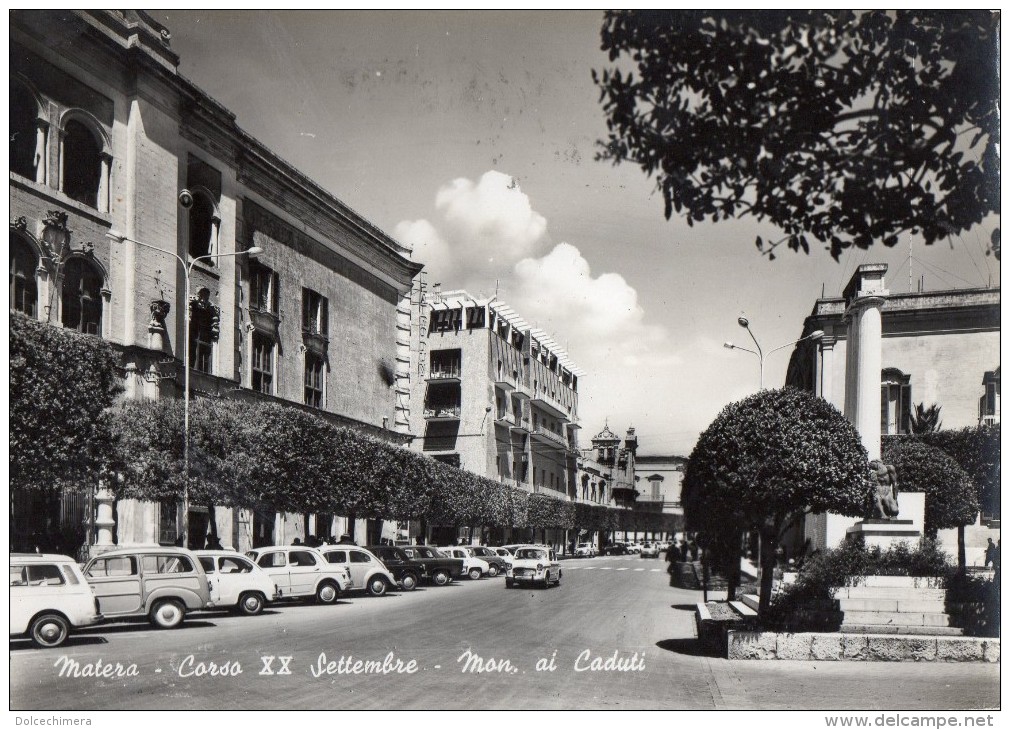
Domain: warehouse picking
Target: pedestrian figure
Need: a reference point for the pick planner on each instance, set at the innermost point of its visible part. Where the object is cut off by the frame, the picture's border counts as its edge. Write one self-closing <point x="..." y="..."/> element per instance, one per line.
<point x="683" y="551"/>
<point x="693" y="547"/>
<point x="990" y="554"/>
<point x="296" y="541"/>
<point x="345" y="539"/>
<point x="213" y="543"/>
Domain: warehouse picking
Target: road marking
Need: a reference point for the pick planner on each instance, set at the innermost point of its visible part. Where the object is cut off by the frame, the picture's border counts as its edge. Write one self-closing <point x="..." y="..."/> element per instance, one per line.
<point x="655" y="570"/>
<point x="639" y="570"/>
<point x="606" y="568"/>
<point x="589" y="567"/>
<point x="620" y="569"/>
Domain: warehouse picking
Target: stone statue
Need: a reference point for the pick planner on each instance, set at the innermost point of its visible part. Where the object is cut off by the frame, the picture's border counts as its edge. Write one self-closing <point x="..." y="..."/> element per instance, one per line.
<point x="884" y="477"/>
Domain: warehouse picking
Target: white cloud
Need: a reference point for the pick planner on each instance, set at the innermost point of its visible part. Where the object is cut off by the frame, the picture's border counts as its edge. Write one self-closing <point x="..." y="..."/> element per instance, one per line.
<point x="487" y="237"/>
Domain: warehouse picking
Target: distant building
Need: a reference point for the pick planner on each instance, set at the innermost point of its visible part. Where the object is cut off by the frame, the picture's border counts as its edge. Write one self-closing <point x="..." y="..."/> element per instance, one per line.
<point x="940" y="347"/>
<point x="607" y="470"/>
<point x="661" y="477"/>
<point x="491" y="394"/>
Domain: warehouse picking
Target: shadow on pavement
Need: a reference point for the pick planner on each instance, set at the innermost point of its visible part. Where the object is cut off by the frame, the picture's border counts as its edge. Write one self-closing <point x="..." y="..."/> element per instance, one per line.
<point x="688" y="647"/>
<point x="72" y="641"/>
<point x="685" y="607"/>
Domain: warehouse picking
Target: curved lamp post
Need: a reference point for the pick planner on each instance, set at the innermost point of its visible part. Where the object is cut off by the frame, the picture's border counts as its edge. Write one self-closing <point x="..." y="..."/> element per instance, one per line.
<point x="745" y="323"/>
<point x="252" y="252"/>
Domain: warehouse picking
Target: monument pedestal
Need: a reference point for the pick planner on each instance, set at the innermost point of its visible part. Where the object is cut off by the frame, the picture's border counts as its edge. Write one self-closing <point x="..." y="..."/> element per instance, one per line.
<point x="884" y="533"/>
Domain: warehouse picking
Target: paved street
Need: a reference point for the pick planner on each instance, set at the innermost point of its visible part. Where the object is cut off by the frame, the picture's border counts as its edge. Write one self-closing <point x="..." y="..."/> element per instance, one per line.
<point x="621" y="604"/>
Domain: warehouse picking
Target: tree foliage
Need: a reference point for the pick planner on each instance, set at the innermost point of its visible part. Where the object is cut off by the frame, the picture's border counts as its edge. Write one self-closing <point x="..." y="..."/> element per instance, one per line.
<point x="951" y="500"/>
<point x="977" y="451"/>
<point x="842" y="128"/>
<point x="275" y="457"/>
<point x="62" y="384"/>
<point x="925" y="419"/>
<point x="766" y="459"/>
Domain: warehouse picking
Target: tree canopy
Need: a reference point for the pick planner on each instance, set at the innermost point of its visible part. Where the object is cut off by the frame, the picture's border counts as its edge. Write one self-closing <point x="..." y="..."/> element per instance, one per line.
<point x="766" y="459"/>
<point x="62" y="384"/>
<point x="951" y="500"/>
<point x="841" y="128"/>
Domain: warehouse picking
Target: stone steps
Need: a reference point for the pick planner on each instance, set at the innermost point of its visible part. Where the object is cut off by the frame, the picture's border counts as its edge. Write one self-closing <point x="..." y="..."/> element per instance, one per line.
<point x="895" y="618"/>
<point x="750" y="600"/>
<point x="898" y="593"/>
<point x="909" y="630"/>
<point x="891" y="605"/>
<point x="744" y="609"/>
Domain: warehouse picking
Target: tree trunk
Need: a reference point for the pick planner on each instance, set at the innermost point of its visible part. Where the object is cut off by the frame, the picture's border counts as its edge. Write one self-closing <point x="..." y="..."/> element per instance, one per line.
<point x="769" y="543"/>
<point x="962" y="560"/>
<point x="732" y="575"/>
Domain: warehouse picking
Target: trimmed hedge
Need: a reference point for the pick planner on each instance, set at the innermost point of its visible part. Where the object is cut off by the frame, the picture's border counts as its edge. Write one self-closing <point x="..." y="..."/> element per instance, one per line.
<point x="268" y="456"/>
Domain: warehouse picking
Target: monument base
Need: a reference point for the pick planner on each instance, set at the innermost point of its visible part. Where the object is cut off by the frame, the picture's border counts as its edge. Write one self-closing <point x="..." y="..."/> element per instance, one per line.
<point x="884" y="533"/>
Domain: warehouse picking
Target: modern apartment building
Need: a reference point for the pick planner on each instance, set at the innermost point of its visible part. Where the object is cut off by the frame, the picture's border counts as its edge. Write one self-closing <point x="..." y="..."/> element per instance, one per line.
<point x="492" y="394"/>
<point x="105" y="134"/>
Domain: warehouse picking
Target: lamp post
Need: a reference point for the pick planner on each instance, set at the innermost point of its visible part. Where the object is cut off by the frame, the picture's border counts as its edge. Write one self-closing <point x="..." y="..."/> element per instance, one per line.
<point x="252" y="252"/>
<point x="745" y="323"/>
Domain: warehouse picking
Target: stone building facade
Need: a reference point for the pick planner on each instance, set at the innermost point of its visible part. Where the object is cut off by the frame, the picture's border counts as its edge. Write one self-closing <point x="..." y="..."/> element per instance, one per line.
<point x="939" y="347"/>
<point x="105" y="134"/>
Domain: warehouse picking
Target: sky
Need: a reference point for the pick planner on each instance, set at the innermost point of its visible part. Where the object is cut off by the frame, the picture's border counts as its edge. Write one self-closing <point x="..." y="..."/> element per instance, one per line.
<point x="472" y="136"/>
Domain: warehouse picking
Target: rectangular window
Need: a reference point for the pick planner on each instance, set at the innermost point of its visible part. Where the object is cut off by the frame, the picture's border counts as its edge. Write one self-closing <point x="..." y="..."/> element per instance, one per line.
<point x="315" y="377"/>
<point x="264" y="289"/>
<point x="262" y="363"/>
<point x="314" y="313"/>
<point x="201" y="340"/>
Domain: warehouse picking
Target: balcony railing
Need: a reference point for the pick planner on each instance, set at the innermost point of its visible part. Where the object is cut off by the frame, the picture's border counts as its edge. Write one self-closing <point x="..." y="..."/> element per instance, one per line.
<point x="505" y="418"/>
<point x="444" y="373"/>
<point x="442" y="412"/>
<point x="550" y="435"/>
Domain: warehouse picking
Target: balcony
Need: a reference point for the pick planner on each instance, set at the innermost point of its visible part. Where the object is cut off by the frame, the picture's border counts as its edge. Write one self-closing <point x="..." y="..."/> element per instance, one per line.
<point x="505" y="418"/>
<point x="543" y="400"/>
<point x="506" y="382"/>
<point x="549" y="437"/>
<point x="444" y="375"/>
<point x="521" y="425"/>
<point x="441" y="413"/>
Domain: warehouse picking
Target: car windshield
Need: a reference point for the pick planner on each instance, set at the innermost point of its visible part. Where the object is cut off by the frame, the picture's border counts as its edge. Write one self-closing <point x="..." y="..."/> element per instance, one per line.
<point x="531" y="554"/>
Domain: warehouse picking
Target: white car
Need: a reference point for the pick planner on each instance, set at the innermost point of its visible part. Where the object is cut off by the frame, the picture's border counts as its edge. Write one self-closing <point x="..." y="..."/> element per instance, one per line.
<point x="473" y="567"/>
<point x="534" y="564"/>
<point x="367" y="572"/>
<point x="585" y="550"/>
<point x="634" y="548"/>
<point x="237" y="582"/>
<point x="302" y="572"/>
<point x="503" y="553"/>
<point x="49" y="598"/>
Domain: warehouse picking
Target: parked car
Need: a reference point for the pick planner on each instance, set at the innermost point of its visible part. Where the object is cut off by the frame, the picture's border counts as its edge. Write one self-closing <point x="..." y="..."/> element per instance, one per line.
<point x="237" y="582"/>
<point x="438" y="568"/>
<point x="585" y="550"/>
<point x="616" y="548"/>
<point x="49" y="598"/>
<point x="650" y="550"/>
<point x="633" y="548"/>
<point x="473" y="567"/>
<point x="503" y="553"/>
<point x="497" y="565"/>
<point x="302" y="572"/>
<point x="367" y="572"/>
<point x="161" y="583"/>
<point x="407" y="571"/>
<point x="534" y="564"/>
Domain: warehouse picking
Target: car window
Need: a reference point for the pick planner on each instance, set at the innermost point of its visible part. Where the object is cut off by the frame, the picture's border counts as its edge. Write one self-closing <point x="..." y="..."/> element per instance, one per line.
<point x="336" y="556"/>
<point x="302" y="558"/>
<point x="207" y="563"/>
<point x="164" y="564"/>
<point x="231" y="565"/>
<point x="551" y="555"/>
<point x="71" y="573"/>
<point x="272" y="560"/>
<point x="113" y="567"/>
<point x="530" y="554"/>
<point x="19" y="575"/>
<point x="360" y="557"/>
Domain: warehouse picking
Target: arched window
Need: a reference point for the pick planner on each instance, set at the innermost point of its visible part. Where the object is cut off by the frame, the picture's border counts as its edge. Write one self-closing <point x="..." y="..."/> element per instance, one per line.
<point x="895" y="402"/>
<point x="203" y="223"/>
<point x="82" y="297"/>
<point x="203" y="332"/>
<point x="82" y="164"/>
<point x="24" y="290"/>
<point x="23" y="132"/>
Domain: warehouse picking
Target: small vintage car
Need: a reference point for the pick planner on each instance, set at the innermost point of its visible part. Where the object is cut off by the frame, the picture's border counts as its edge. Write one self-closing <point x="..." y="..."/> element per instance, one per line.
<point x="407" y="571"/>
<point x="650" y="550"/>
<point x="367" y="572"/>
<point x="237" y="582"/>
<point x="503" y="553"/>
<point x="302" y="572"/>
<point x="438" y="568"/>
<point x="49" y="598"/>
<point x="473" y="567"/>
<point x="534" y="564"/>
<point x="160" y="583"/>
<point x="497" y="565"/>
<point x="585" y="550"/>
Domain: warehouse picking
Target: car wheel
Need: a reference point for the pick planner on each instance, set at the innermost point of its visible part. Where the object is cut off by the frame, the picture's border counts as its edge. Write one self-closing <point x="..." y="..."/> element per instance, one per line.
<point x="327" y="593"/>
<point x="250" y="604"/>
<point x="441" y="578"/>
<point x="49" y="630"/>
<point x="474" y="573"/>
<point x="492" y="571"/>
<point x="509" y="583"/>
<point x="558" y="581"/>
<point x="409" y="581"/>
<point x="167" y="614"/>
<point x="377" y="586"/>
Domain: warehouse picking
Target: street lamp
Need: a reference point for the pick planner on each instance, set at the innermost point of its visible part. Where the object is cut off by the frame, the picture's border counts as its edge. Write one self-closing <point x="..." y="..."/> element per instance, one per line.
<point x="745" y="323"/>
<point x="251" y="252"/>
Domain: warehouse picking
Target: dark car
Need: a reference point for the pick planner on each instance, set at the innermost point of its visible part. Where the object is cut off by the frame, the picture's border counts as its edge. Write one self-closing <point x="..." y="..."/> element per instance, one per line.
<point x="617" y="548"/>
<point x="498" y="564"/>
<point x="438" y="569"/>
<point x="407" y="572"/>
